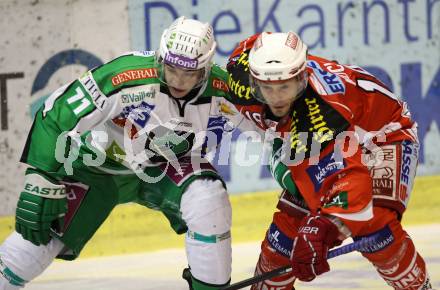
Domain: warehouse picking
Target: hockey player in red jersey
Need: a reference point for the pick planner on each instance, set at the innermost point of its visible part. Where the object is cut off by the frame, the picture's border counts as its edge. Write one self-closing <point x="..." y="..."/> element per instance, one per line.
<point x="345" y="152"/>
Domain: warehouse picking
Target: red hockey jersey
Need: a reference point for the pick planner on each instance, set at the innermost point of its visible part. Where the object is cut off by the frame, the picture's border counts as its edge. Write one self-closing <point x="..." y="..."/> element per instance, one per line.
<point x="344" y="115"/>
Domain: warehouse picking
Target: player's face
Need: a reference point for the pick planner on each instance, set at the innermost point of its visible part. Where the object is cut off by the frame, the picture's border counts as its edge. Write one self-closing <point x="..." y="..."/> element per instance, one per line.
<point x="279" y="96"/>
<point x="181" y="81"/>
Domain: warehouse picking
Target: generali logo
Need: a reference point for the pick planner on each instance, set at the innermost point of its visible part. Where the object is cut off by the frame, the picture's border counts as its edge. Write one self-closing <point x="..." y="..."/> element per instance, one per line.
<point x="220" y="84"/>
<point x="135" y="74"/>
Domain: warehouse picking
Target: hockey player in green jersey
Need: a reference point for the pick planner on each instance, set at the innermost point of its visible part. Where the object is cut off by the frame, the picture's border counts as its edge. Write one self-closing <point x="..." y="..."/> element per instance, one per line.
<point x="136" y="129"/>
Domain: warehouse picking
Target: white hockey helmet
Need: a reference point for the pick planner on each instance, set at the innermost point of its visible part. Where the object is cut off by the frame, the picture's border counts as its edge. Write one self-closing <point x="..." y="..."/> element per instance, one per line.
<point x="188" y="44"/>
<point x="278" y="57"/>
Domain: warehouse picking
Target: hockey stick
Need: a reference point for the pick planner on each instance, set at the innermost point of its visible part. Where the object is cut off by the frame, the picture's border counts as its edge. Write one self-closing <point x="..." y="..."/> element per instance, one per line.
<point x="355" y="246"/>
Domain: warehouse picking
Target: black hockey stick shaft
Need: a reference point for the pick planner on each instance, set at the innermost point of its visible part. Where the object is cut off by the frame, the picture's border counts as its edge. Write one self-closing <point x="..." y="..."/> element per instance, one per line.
<point x="355" y="246"/>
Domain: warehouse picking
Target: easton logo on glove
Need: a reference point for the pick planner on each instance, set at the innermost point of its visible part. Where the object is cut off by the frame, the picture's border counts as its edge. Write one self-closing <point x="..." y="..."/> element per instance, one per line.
<point x="35" y="189"/>
<point x="41" y="206"/>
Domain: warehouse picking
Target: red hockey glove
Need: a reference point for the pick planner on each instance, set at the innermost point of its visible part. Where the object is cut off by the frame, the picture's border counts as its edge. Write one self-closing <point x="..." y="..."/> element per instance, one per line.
<point x="316" y="234"/>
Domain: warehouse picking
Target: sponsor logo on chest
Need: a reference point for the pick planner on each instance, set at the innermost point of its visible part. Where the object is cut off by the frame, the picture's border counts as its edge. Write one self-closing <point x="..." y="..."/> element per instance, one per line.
<point x="215" y="128"/>
<point x="340" y="200"/>
<point x="138" y="114"/>
<point x="327" y="166"/>
<point x="225" y="108"/>
<point x="313" y="123"/>
<point x="216" y="122"/>
<point x="318" y="125"/>
<point x="128" y="98"/>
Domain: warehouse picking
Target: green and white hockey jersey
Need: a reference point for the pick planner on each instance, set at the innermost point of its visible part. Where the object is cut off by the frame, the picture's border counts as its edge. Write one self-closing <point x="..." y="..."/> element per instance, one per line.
<point x="122" y="110"/>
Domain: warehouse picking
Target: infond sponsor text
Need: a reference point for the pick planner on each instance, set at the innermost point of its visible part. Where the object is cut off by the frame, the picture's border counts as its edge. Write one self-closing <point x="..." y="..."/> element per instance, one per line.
<point x="181" y="61"/>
